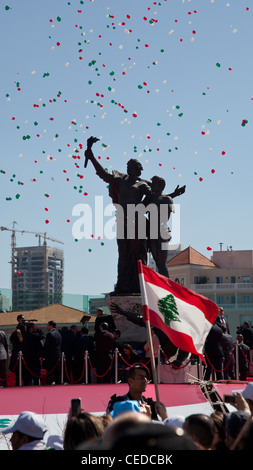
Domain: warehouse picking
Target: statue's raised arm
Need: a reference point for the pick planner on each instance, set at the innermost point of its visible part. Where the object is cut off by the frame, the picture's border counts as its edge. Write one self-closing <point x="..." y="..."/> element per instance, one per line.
<point x="100" y="171"/>
<point x="92" y="140"/>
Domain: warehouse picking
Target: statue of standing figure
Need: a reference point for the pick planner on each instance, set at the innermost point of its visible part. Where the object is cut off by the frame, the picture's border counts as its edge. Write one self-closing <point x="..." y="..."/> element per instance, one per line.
<point x="129" y="190"/>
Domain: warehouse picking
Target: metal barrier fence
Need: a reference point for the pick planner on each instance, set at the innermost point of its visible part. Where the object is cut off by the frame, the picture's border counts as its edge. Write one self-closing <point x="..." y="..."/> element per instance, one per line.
<point x="87" y="365"/>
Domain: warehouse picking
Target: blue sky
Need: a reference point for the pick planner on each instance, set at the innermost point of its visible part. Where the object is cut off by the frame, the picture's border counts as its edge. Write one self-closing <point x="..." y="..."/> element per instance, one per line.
<point x="167" y="82"/>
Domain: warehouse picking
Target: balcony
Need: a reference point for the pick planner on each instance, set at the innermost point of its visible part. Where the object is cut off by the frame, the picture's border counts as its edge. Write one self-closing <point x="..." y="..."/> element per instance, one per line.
<point x="242" y="306"/>
<point x="236" y="286"/>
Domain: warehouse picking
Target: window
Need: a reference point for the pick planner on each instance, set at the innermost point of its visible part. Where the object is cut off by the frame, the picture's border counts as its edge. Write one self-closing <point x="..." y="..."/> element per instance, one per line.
<point x="246" y="279"/>
<point x="219" y="280"/>
<point x="245" y="299"/>
<point x="233" y="279"/>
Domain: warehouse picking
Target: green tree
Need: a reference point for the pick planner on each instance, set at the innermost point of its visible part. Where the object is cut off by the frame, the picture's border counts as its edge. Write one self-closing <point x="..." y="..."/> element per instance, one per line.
<point x="168" y="308"/>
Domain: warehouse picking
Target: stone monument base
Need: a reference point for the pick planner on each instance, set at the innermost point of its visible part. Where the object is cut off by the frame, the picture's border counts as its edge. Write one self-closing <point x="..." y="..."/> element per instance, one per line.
<point x="129" y="331"/>
<point x="169" y="375"/>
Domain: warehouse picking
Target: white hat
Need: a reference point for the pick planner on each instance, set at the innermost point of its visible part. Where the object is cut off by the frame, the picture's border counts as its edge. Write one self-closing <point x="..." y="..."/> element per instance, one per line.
<point x="176" y="421"/>
<point x="55" y="442"/>
<point x="28" y="423"/>
<point x="248" y="392"/>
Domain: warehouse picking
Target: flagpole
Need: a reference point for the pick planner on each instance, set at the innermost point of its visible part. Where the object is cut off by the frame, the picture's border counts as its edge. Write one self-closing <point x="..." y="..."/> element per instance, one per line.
<point x="145" y="310"/>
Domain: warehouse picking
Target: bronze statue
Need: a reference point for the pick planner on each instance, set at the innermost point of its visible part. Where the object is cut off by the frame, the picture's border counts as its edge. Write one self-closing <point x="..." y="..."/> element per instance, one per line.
<point x="129" y="191"/>
<point x="125" y="189"/>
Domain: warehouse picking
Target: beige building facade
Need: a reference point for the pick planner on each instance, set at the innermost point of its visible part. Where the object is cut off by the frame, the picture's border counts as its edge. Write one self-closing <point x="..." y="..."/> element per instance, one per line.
<point x="226" y="278"/>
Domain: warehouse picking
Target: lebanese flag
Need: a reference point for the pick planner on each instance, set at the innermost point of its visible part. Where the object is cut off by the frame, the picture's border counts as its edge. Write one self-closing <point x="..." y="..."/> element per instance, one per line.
<point x="184" y="316"/>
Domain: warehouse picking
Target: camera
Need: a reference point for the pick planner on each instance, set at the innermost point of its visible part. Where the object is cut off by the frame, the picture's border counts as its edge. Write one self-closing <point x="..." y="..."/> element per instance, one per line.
<point x="229" y="399"/>
<point x="75" y="406"/>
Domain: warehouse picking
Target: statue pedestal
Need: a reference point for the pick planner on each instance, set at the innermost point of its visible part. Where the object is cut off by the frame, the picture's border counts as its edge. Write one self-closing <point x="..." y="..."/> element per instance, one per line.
<point x="129" y="331"/>
<point x="186" y="374"/>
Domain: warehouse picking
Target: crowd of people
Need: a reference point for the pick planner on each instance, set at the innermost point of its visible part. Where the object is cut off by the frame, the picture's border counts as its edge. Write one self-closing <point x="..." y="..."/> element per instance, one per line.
<point x="220" y="350"/>
<point x="133" y="423"/>
<point x="42" y="351"/>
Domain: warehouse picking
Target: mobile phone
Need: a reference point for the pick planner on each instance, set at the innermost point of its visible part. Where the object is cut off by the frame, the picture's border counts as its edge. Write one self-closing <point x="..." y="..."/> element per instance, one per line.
<point x="75" y="406"/>
<point x="229" y="399"/>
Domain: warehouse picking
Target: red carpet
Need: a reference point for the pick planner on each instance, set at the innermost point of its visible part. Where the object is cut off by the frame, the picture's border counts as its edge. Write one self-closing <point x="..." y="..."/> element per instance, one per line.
<point x="56" y="399"/>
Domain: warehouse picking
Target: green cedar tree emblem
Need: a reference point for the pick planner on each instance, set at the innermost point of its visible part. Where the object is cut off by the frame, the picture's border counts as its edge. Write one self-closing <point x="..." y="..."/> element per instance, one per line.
<point x="168" y="308"/>
<point x="5" y="422"/>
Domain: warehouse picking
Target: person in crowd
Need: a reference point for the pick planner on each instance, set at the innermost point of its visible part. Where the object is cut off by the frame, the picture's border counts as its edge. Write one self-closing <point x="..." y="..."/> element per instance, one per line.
<point x="228" y="348"/>
<point x="138" y="377"/>
<point x="134" y="433"/>
<point x="68" y="346"/>
<point x="85" y="342"/>
<point x="81" y="428"/>
<point x="247" y="395"/>
<point x="121" y="423"/>
<point x="17" y="343"/>
<point x="33" y="352"/>
<point x="234" y="423"/>
<point x="221" y="320"/>
<point x="220" y="431"/>
<point x="117" y="344"/>
<point x="130" y="355"/>
<point x="214" y="353"/>
<point x="201" y="429"/>
<point x="52" y="353"/>
<point x="104" y="353"/>
<point x="3" y="359"/>
<point x="244" y="357"/>
<point x="21" y="324"/>
<point x="247" y="332"/>
<point x="27" y="432"/>
<point x="102" y="317"/>
<point x="247" y="438"/>
<point x="175" y="421"/>
<point x="117" y="348"/>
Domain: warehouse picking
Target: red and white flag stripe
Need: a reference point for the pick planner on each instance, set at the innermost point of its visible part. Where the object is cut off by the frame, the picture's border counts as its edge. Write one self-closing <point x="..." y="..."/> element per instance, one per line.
<point x="196" y="313"/>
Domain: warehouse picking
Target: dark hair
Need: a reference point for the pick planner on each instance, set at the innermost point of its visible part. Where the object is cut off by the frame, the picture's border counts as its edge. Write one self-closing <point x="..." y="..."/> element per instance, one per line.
<point x="82" y="428"/>
<point x="201" y="426"/>
<point x="129" y="347"/>
<point x="135" y="367"/>
<point x="29" y="438"/>
<point x="52" y="323"/>
<point x="29" y="326"/>
<point x="84" y="330"/>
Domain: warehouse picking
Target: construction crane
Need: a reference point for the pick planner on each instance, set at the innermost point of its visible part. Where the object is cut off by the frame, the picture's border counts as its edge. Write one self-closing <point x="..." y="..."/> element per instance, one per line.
<point x="13" y="245"/>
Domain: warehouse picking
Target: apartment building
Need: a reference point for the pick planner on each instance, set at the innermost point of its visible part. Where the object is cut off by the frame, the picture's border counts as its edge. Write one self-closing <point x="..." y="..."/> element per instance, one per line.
<point x="37" y="277"/>
<point x="226" y="278"/>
